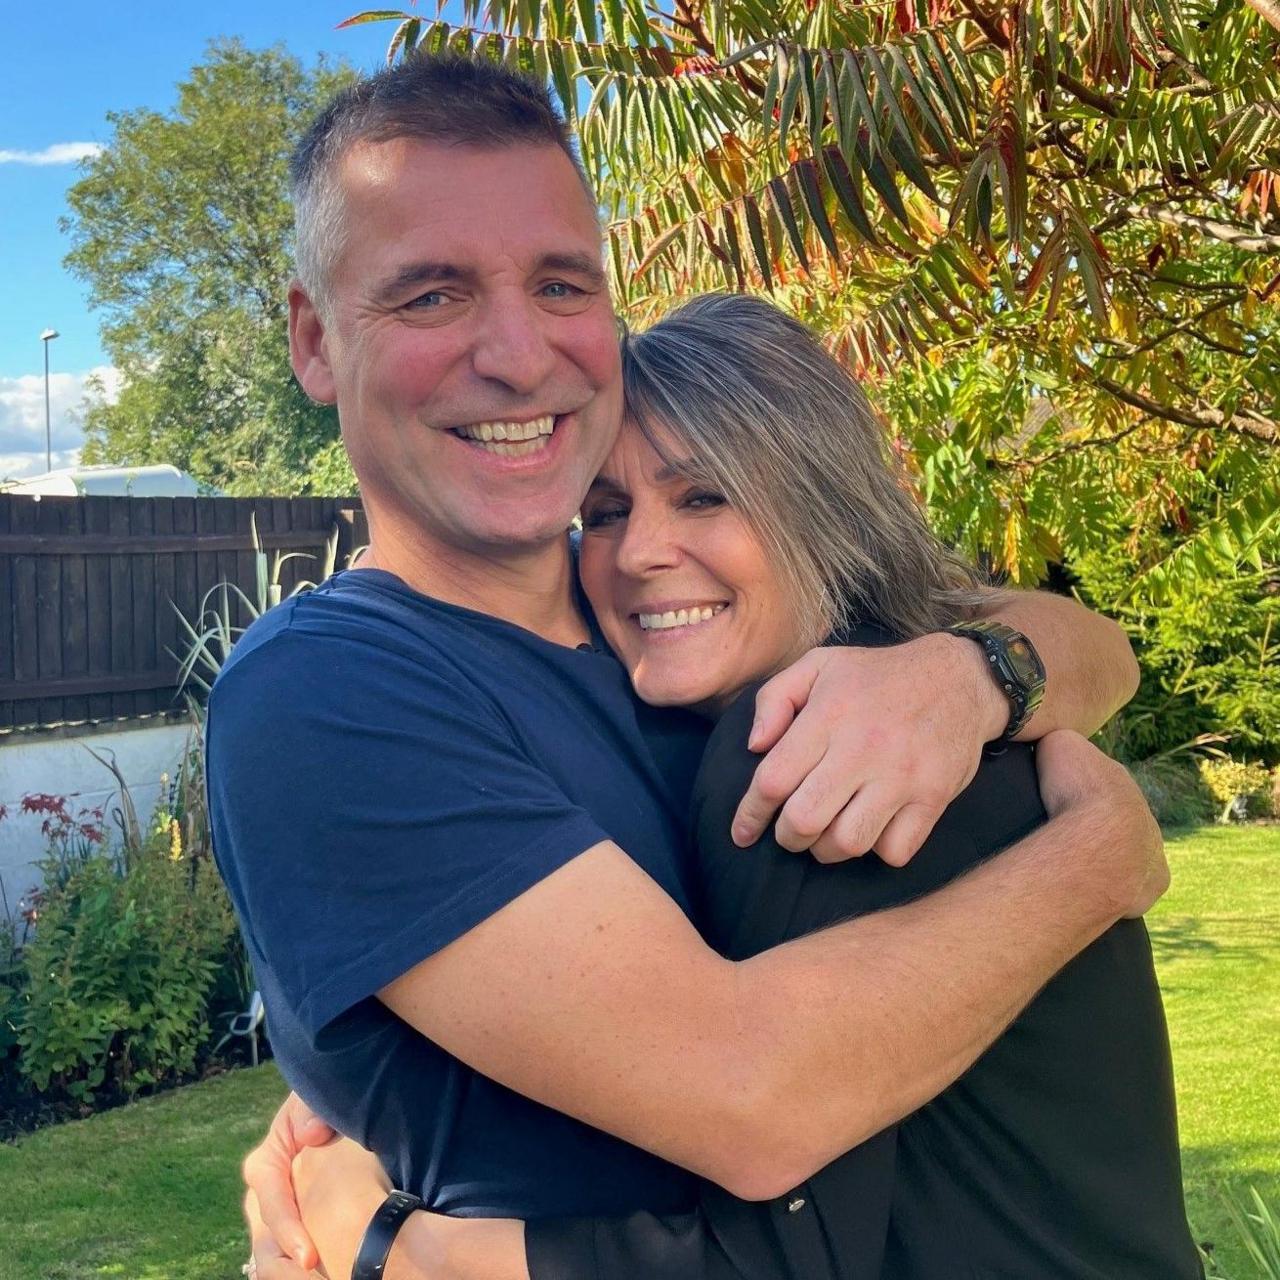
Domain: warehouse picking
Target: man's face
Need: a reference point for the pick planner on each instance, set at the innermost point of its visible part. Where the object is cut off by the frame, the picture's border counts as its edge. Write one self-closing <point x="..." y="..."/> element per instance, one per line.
<point x="471" y="345"/>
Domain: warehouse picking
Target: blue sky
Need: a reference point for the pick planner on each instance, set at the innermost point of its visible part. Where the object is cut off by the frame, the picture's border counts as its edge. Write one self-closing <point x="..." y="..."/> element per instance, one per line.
<point x="62" y="68"/>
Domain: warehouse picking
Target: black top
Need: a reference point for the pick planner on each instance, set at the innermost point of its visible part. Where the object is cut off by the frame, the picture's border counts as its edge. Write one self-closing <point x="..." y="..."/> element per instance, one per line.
<point x="1054" y="1156"/>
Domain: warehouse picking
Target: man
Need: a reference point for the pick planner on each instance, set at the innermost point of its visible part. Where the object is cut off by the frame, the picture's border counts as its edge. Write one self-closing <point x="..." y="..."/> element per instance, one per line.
<point x="454" y="839"/>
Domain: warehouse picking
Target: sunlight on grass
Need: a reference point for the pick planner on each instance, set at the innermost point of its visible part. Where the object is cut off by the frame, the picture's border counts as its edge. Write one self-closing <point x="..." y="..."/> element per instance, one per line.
<point x="1217" y="943"/>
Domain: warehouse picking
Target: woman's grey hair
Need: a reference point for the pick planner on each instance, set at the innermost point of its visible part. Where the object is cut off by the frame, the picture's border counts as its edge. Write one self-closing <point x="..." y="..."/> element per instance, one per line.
<point x="434" y="98"/>
<point x="742" y="399"/>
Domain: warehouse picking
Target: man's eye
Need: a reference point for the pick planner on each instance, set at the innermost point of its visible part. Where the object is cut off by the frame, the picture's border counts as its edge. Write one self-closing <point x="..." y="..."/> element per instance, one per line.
<point x="559" y="289"/>
<point x="428" y="301"/>
<point x="602" y="517"/>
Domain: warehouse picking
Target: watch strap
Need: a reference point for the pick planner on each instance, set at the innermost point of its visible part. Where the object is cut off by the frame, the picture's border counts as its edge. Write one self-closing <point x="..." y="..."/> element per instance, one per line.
<point x="1024" y="695"/>
<point x="380" y="1235"/>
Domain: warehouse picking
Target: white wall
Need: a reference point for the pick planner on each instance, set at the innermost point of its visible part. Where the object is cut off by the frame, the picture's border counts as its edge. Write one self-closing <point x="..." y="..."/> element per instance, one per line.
<point x="61" y="766"/>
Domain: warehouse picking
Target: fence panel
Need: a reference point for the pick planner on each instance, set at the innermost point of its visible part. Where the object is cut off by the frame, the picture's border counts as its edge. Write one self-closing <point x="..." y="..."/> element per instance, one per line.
<point x="91" y="588"/>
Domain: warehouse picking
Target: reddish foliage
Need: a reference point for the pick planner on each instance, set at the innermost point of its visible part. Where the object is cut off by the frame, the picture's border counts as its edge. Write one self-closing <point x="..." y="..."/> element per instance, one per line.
<point x="37" y="802"/>
<point x="700" y="65"/>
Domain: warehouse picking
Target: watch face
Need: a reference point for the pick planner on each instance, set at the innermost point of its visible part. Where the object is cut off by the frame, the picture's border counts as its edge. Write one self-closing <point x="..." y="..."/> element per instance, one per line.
<point x="1023" y="660"/>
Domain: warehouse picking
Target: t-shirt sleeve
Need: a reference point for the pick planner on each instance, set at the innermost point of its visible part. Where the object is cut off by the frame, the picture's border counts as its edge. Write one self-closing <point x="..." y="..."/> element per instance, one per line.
<point x="367" y="811"/>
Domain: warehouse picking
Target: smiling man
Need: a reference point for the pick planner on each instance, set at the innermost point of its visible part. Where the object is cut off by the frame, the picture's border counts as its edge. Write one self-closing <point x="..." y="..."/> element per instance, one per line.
<point x="453" y="836"/>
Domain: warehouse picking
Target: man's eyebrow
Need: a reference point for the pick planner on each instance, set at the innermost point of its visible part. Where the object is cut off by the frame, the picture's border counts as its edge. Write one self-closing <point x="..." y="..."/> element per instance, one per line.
<point x="419" y="273"/>
<point x="581" y="264"/>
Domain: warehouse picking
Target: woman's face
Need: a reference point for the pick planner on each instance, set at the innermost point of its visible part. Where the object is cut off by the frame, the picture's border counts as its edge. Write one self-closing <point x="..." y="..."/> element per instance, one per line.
<point x="680" y="584"/>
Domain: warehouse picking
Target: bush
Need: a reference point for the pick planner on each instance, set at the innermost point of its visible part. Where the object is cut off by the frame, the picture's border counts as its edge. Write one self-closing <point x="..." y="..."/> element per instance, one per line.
<point x="130" y="947"/>
<point x="1175" y="791"/>
<point x="1241" y="789"/>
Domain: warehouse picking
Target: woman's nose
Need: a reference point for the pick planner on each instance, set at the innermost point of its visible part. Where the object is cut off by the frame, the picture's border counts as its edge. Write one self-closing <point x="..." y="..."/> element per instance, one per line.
<point x="649" y="543"/>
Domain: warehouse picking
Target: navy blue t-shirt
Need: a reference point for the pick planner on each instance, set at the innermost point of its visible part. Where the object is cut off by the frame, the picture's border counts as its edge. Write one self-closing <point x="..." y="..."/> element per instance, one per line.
<point x="385" y="772"/>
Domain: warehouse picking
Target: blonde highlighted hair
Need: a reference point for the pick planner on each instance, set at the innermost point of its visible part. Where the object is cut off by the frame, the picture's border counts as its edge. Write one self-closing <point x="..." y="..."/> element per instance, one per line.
<point x="760" y="412"/>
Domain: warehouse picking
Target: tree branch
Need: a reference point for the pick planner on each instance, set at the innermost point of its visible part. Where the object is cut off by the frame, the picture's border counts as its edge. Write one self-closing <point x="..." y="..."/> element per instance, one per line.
<point x="1232" y="233"/>
<point x="1242" y="422"/>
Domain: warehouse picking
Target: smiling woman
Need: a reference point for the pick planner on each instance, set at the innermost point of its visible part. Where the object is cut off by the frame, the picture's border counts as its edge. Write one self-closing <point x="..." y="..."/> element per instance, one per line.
<point x="751" y="509"/>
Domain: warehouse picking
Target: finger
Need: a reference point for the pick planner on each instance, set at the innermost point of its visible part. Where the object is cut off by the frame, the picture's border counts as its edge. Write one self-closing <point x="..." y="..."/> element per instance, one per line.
<point x="857" y="826"/>
<point x="271" y="1261"/>
<point x="907" y="830"/>
<point x="269" y="1175"/>
<point x="776" y="777"/>
<point x="780" y="699"/>
<point x="305" y="1128"/>
<point x="814" y="805"/>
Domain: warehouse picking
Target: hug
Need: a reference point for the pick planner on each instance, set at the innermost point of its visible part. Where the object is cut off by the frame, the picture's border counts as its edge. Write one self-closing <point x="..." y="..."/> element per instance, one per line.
<point x="612" y="959"/>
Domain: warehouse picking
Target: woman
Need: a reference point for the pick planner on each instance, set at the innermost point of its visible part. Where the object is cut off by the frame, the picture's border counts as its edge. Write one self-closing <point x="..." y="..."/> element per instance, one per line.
<point x="746" y="513"/>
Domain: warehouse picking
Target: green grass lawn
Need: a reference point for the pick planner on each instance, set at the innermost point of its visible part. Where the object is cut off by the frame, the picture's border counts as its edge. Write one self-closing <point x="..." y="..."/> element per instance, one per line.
<point x="147" y="1192"/>
<point x="1217" y="945"/>
<point x="151" y="1191"/>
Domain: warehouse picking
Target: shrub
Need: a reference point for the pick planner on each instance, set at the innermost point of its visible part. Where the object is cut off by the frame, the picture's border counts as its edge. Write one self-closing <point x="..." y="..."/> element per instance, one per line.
<point x="1175" y="791"/>
<point x="129" y="948"/>
<point x="1240" y="789"/>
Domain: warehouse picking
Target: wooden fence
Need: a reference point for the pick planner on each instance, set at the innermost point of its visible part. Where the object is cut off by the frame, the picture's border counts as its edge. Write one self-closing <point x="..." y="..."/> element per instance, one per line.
<point x="88" y="589"/>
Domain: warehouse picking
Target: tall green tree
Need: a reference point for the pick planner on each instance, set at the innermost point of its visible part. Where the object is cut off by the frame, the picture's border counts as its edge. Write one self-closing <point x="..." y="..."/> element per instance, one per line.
<point x="181" y="227"/>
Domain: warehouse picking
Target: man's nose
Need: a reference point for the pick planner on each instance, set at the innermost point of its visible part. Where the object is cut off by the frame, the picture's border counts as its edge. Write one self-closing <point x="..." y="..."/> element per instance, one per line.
<point x="513" y="347"/>
<point x="649" y="543"/>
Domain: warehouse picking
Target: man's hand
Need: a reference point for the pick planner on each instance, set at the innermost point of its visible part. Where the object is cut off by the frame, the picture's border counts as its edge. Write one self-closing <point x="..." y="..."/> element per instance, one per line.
<point x="867" y="747"/>
<point x="1075" y="775"/>
<point x="271" y="1206"/>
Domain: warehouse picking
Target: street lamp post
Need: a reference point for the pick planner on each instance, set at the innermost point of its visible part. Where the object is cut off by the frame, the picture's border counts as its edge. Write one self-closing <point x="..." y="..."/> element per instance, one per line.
<point x="47" y="337"/>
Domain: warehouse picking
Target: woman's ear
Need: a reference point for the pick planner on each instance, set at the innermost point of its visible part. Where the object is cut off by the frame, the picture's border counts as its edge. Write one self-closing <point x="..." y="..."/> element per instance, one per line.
<point x="308" y="347"/>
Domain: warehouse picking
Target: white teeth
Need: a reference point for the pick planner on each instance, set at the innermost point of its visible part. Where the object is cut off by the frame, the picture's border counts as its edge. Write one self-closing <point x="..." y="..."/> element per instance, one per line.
<point x="678" y="618"/>
<point x="519" y="433"/>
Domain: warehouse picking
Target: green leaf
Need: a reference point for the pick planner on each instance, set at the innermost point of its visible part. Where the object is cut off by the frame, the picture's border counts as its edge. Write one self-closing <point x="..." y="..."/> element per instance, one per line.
<point x="901" y="140"/>
<point x="856" y="108"/>
<point x="787" y="110"/>
<point x="755" y="231"/>
<point x="372" y="15"/>
<point x="656" y="249"/>
<point x="780" y="199"/>
<point x="846" y="189"/>
<point x="733" y="248"/>
<point x="587" y="21"/>
<point x="810" y="188"/>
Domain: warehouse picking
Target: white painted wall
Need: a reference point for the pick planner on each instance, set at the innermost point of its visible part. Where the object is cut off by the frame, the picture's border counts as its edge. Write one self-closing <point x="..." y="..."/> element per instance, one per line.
<point x="61" y="766"/>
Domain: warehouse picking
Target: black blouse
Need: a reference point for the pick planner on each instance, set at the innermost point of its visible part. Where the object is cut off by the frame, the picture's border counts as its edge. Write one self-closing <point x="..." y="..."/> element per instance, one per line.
<point x="1055" y="1155"/>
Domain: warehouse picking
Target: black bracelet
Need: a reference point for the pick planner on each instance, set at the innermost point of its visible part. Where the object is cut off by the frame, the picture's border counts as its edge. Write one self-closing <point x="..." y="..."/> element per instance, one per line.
<point x="380" y="1235"/>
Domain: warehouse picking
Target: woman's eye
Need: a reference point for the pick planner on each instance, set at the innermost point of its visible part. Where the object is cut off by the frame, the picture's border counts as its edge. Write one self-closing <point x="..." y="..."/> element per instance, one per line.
<point x="602" y="517"/>
<point x="703" y="500"/>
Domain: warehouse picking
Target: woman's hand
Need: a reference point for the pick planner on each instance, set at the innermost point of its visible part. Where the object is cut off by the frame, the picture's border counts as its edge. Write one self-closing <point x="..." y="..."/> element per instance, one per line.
<point x="271" y="1206"/>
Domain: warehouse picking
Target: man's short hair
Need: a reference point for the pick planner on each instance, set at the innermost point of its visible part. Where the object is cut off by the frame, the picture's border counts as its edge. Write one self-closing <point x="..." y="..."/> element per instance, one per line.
<point x="440" y="98"/>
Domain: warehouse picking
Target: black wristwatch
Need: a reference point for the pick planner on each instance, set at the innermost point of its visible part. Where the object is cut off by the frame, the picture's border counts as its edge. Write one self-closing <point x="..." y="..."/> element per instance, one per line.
<point x="380" y="1235"/>
<point x="1016" y="666"/>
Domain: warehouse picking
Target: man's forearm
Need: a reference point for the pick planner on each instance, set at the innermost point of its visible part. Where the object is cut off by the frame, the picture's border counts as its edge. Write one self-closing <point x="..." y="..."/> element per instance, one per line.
<point x="855" y="1027"/>
<point x="1090" y="668"/>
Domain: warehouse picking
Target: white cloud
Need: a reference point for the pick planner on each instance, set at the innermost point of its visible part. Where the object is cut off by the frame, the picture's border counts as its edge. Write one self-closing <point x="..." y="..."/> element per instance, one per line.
<point x="58" y="153"/>
<point x="22" y="439"/>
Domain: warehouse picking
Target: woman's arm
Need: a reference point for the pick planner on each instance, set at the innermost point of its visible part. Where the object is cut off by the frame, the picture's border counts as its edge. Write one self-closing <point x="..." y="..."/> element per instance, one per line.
<point x="335" y="1188"/>
<point x="339" y="1185"/>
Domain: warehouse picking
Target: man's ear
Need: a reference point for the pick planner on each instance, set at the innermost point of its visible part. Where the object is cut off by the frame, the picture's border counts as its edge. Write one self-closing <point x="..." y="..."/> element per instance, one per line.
<point x="308" y="350"/>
